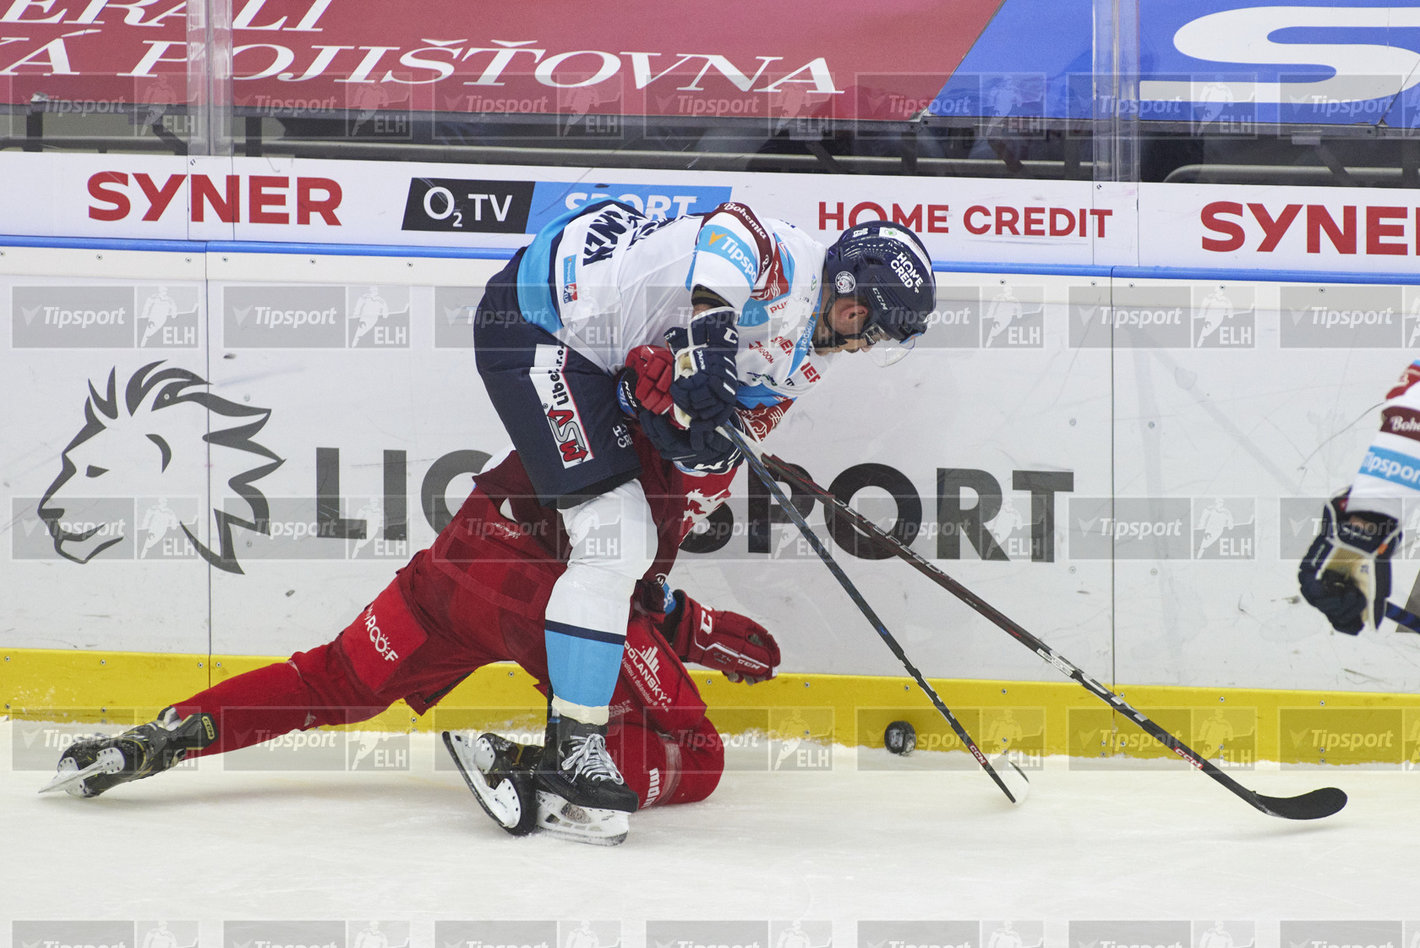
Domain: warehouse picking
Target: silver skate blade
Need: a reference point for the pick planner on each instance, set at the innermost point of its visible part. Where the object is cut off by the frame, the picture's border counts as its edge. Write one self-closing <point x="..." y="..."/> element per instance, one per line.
<point x="66" y="779"/>
<point x="596" y="827"/>
<point x="501" y="800"/>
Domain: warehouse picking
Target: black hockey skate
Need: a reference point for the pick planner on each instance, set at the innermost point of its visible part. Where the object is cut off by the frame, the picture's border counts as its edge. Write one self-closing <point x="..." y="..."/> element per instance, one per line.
<point x="93" y="764"/>
<point x="580" y="791"/>
<point x="515" y="783"/>
<point x="500" y="774"/>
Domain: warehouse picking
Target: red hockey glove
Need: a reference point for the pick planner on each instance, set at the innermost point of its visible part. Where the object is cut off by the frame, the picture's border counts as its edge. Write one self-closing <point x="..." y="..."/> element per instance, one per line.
<point x="735" y="644"/>
<point x="645" y="382"/>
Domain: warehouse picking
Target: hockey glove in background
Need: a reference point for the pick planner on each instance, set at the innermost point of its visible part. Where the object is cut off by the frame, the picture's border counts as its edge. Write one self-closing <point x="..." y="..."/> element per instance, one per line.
<point x="706" y="380"/>
<point x="735" y="644"/>
<point x="698" y="451"/>
<point x="1346" y="572"/>
<point x="645" y="381"/>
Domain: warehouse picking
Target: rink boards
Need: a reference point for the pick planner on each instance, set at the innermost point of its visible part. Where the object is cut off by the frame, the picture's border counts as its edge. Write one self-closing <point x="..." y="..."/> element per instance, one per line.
<point x="1126" y="459"/>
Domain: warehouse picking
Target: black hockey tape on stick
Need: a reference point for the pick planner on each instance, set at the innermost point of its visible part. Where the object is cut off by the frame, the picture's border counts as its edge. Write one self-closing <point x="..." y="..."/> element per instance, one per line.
<point x="753" y="456"/>
<point x="1402" y="617"/>
<point x="1312" y="805"/>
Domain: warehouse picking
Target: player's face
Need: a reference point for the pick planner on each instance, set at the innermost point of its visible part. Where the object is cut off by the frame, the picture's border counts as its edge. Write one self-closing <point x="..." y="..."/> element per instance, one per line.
<point x="846" y="316"/>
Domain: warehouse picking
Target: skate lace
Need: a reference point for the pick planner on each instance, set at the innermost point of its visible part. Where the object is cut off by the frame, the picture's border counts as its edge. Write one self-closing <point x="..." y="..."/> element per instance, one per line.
<point x="589" y="757"/>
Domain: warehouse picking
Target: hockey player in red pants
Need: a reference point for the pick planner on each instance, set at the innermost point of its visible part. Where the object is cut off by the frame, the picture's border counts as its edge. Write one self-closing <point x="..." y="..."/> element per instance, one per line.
<point x="476" y="596"/>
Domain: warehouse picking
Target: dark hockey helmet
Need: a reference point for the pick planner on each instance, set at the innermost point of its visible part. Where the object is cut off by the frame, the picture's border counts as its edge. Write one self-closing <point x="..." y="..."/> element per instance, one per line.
<point x="888" y="268"/>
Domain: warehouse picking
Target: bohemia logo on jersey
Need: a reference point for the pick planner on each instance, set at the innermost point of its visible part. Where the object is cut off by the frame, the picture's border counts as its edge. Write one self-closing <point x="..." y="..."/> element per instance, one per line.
<point x="549" y="365"/>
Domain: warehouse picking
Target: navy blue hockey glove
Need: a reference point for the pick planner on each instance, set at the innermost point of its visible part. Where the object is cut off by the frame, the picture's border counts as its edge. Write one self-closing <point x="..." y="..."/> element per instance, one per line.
<point x="1346" y="572"/>
<point x="706" y="381"/>
<point x="699" y="450"/>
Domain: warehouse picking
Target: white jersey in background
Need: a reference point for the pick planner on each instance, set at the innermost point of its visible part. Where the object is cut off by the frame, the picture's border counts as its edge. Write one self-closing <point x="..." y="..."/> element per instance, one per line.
<point x="1390" y="471"/>
<point x="607" y="279"/>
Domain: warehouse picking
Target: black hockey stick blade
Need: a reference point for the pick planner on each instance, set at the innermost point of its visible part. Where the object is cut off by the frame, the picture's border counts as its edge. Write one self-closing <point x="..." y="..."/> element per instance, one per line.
<point x="1314" y="805"/>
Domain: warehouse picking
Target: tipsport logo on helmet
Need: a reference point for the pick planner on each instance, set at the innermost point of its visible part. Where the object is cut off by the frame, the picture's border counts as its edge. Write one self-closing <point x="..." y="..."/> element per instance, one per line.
<point x="159" y="316"/>
<point x="299" y="316"/>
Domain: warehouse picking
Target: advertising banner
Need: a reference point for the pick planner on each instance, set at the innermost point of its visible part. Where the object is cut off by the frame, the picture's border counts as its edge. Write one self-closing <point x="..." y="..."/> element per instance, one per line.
<point x="489" y="207"/>
<point x="1224" y="66"/>
<point x="1209" y="66"/>
<point x="231" y="453"/>
<point x="310" y="57"/>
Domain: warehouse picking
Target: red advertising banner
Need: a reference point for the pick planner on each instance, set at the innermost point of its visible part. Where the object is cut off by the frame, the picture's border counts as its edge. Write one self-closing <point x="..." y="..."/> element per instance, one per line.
<point x="825" y="59"/>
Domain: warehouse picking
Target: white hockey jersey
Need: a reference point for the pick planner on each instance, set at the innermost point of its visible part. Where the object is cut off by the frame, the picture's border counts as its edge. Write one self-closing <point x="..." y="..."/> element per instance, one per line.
<point x="606" y="279"/>
<point x="1390" y="471"/>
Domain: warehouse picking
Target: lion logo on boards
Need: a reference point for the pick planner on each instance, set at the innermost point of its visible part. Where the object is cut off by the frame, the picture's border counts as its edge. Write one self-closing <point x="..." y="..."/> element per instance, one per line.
<point x="162" y="433"/>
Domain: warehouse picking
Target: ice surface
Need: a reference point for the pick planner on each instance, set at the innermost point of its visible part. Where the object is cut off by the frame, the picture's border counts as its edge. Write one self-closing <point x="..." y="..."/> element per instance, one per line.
<point x="866" y="837"/>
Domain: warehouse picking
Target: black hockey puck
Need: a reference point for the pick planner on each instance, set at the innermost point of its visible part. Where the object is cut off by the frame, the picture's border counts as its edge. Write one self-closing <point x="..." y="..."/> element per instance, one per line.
<point x="900" y="738"/>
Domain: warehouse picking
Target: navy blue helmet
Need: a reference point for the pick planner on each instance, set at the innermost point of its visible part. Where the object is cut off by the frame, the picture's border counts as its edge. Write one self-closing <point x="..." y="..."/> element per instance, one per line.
<point x="887" y="267"/>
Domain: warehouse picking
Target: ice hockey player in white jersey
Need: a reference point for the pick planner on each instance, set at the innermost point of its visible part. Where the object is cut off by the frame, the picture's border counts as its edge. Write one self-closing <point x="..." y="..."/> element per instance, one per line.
<point x="1346" y="572"/>
<point x="609" y="318"/>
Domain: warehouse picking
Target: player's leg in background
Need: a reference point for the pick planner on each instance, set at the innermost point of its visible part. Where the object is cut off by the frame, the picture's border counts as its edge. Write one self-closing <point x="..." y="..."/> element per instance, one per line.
<point x="380" y="657"/>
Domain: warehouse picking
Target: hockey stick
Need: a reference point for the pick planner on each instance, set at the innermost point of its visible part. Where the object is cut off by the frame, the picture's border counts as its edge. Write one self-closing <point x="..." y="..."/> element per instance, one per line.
<point x="755" y="462"/>
<point x="1403" y="617"/>
<point x="1307" y="806"/>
